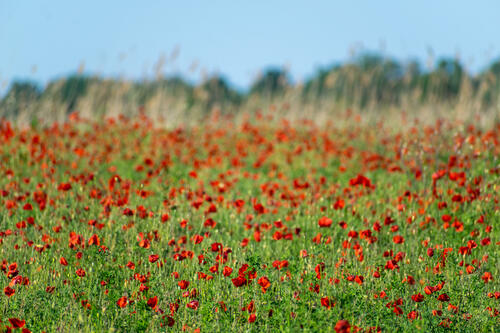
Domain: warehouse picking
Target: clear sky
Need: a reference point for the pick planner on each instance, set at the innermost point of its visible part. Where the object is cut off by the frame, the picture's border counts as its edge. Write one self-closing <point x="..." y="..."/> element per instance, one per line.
<point x="234" y="38"/>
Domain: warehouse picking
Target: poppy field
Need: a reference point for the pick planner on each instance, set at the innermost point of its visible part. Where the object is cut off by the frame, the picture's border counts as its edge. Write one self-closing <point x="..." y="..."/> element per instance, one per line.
<point x="264" y="224"/>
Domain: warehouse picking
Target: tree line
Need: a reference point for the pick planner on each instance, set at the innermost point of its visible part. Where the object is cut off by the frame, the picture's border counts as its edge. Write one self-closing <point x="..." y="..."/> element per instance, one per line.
<point x="369" y="79"/>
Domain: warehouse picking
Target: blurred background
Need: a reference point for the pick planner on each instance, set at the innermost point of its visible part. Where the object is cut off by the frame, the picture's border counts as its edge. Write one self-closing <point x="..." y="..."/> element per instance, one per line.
<point x="182" y="60"/>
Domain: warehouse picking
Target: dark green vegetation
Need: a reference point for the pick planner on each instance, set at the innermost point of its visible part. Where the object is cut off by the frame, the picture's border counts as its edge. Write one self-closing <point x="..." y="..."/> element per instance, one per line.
<point x="259" y="226"/>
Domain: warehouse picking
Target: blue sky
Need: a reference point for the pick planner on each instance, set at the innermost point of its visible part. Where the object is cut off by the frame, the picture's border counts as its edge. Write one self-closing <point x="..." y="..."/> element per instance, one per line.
<point x="234" y="38"/>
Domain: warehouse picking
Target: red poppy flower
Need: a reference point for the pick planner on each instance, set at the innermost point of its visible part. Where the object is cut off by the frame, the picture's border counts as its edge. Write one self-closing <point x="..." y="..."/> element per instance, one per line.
<point x="80" y="272"/>
<point x="397" y="310"/>
<point x="16" y="323"/>
<point x="485" y="241"/>
<point x="153" y="258"/>
<point x="183" y="284"/>
<point x="63" y="261"/>
<point x="446" y="218"/>
<point x="398" y="239"/>
<point x="238" y="203"/>
<point x="264" y="283"/>
<point x="194" y="304"/>
<point x="339" y="204"/>
<point x="227" y="271"/>
<point x="145" y="243"/>
<point x="9" y="291"/>
<point x="327" y="303"/>
<point x="469" y="269"/>
<point x="197" y="239"/>
<point x="279" y="264"/>
<point x="361" y="180"/>
<point x="259" y="208"/>
<point x="16" y="280"/>
<point x="438" y="313"/>
<point x="152" y="302"/>
<point x="209" y="223"/>
<point x="410" y="280"/>
<point x="239" y="281"/>
<point x="413" y="315"/>
<point x="443" y="298"/>
<point x="352" y="234"/>
<point x="94" y="240"/>
<point x="487" y="277"/>
<point x="429" y="290"/>
<point x="252" y="318"/>
<point x="122" y="302"/>
<point x="325" y="222"/>
<point x="342" y="326"/>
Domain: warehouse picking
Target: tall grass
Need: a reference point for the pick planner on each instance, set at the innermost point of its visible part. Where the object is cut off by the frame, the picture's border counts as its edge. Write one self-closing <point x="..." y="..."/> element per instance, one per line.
<point x="370" y="83"/>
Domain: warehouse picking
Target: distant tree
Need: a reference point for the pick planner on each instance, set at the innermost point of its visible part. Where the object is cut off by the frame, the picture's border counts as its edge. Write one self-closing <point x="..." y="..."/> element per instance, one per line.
<point x="444" y="82"/>
<point x="217" y="92"/>
<point x="489" y="88"/>
<point x="69" y="90"/>
<point x="369" y="79"/>
<point x="383" y="77"/>
<point x="272" y="83"/>
<point x="315" y="87"/>
<point x="142" y="92"/>
<point x="452" y="72"/>
<point x="23" y="90"/>
<point x="19" y="95"/>
<point x="495" y="68"/>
